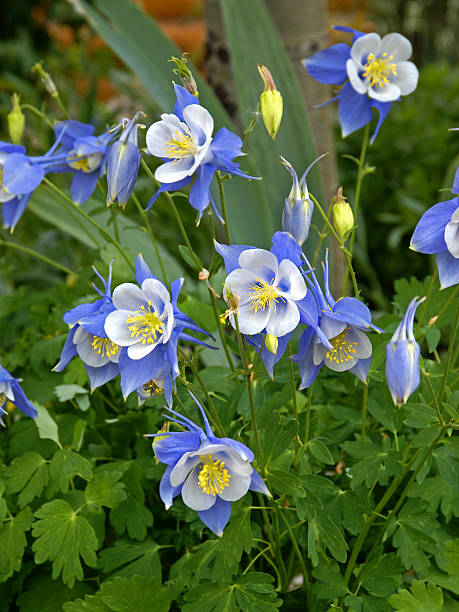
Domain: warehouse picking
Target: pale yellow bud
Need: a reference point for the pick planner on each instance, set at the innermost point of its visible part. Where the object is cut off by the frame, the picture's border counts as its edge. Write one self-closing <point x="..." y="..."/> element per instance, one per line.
<point x="343" y="217"/>
<point x="271" y="103"/>
<point x="271" y="343"/>
<point x="16" y="121"/>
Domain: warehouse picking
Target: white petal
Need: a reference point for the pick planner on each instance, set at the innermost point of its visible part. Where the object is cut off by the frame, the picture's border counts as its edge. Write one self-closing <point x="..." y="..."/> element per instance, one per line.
<point x="452" y="238"/>
<point x="406" y="78"/>
<point x="168" y="319"/>
<point x="234" y="462"/>
<point x="173" y="171"/>
<point x="237" y="487"/>
<point x="262" y="263"/>
<point x="318" y="353"/>
<point x="192" y="494"/>
<point x="284" y="319"/>
<point x="363" y="46"/>
<point x="156" y="293"/>
<point x="80" y="335"/>
<point x="5" y="387"/>
<point x="183" y="467"/>
<point x="387" y="93"/>
<point x="364" y="348"/>
<point x="117" y="330"/>
<point x="357" y="83"/>
<point x="240" y="282"/>
<point x="6" y="196"/>
<point x="162" y="132"/>
<point x="200" y="122"/>
<point x="88" y="355"/>
<point x="128" y="297"/>
<point x="290" y="281"/>
<point x="331" y="327"/>
<point x="251" y="322"/>
<point x="396" y="45"/>
<point x="139" y="350"/>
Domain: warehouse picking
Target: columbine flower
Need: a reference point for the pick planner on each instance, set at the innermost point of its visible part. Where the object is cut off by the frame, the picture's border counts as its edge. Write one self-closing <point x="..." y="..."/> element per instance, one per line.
<point x="184" y="141"/>
<point x="298" y="208"/>
<point x="298" y="309"/>
<point x="208" y="472"/>
<point x="123" y="162"/>
<point x="11" y="390"/>
<point x="376" y="72"/>
<point x="86" y="153"/>
<point x="88" y="340"/>
<point x="402" y="357"/>
<point x="147" y="323"/>
<point x="340" y="342"/>
<point x="437" y="233"/>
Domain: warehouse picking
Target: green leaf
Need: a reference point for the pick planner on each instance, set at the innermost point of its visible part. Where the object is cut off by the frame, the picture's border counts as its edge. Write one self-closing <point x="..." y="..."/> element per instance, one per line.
<point x="236" y="538"/>
<point x="185" y="253"/>
<point x="277" y="438"/>
<point x="132" y="514"/>
<point x="13" y="542"/>
<point x="137" y="594"/>
<point x="438" y="493"/>
<point x="65" y="465"/>
<point x="132" y="558"/>
<point x="105" y="490"/>
<point x="48" y="595"/>
<point x="320" y="452"/>
<point x="47" y="427"/>
<point x="62" y="537"/>
<point x="377" y="465"/>
<point x="285" y="483"/>
<point x="28" y="474"/>
<point x="433" y="337"/>
<point x="332" y="583"/>
<point x="420" y="415"/>
<point x="252" y="592"/>
<point x="79" y="430"/>
<point x="422" y="598"/>
<point x="382" y="575"/>
<point x="68" y="392"/>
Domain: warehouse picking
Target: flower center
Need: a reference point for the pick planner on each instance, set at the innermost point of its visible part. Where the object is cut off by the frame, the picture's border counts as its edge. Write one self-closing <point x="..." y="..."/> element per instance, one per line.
<point x="145" y="324"/>
<point x="104" y="346"/>
<point x="263" y="295"/>
<point x="213" y="477"/>
<point x="152" y="388"/>
<point x="2" y="399"/>
<point x="343" y="350"/>
<point x="378" y="69"/>
<point x="181" y="146"/>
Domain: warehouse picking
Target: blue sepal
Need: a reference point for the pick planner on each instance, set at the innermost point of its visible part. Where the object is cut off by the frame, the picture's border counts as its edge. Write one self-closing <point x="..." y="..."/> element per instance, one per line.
<point x="448" y="269"/>
<point x="184" y="99"/>
<point x="142" y="270"/>
<point x="284" y="246"/>
<point x="68" y="352"/>
<point x="168" y="187"/>
<point x="428" y="237"/>
<point x="329" y="66"/>
<point x="83" y="185"/>
<point x="13" y="210"/>
<point x="169" y="448"/>
<point x="21" y="402"/>
<point x="20" y="175"/>
<point x="455" y="188"/>
<point x="257" y="484"/>
<point x="308" y="370"/>
<point x="167" y="492"/>
<point x="355" y="33"/>
<point x="137" y="372"/>
<point x="354" y="110"/>
<point x="217" y="517"/>
<point x="100" y="376"/>
<point x="199" y="193"/>
<point x="361" y="369"/>
<point x="230" y="254"/>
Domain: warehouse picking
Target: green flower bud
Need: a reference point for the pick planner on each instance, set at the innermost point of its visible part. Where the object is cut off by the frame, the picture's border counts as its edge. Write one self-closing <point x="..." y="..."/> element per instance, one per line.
<point x="16" y="121"/>
<point x="271" y="343"/>
<point x="185" y="74"/>
<point x="271" y="103"/>
<point x="343" y="217"/>
<point x="46" y="79"/>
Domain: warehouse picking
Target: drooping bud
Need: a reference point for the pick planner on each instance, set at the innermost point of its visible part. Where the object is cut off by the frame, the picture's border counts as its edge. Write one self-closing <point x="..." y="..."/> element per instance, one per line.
<point x="343" y="217"/>
<point x="46" y="79"/>
<point x="186" y="76"/>
<point x="298" y="207"/>
<point x="403" y="358"/>
<point x="271" y="103"/>
<point x="271" y="343"/>
<point x="16" y="120"/>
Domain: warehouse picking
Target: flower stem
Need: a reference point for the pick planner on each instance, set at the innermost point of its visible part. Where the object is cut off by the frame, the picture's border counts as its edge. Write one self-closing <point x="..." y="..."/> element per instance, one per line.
<point x="322" y="235"/>
<point x="195" y="257"/>
<point x="114" y="213"/>
<point x="151" y="234"/>
<point x="248" y="380"/>
<point x="296" y="548"/>
<point x="434" y="397"/>
<point x="51" y="262"/>
<point x="38" y="113"/>
<point x="249" y="130"/>
<point x="424" y="306"/>
<point x="223" y="204"/>
<point x="308" y="415"/>
<point x="292" y="383"/>
<point x="448" y="358"/>
<point x="101" y="229"/>
<point x="364" y="409"/>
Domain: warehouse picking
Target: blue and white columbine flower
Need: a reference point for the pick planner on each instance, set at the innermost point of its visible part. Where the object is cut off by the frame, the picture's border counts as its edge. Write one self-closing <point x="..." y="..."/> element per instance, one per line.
<point x="88" y="340"/>
<point x="403" y="357"/>
<point x="123" y="162"/>
<point x="147" y="323"/>
<point x="208" y="472"/>
<point x="437" y="233"/>
<point x="375" y="72"/>
<point x="184" y="141"/>
<point x="340" y="342"/>
<point x="11" y="390"/>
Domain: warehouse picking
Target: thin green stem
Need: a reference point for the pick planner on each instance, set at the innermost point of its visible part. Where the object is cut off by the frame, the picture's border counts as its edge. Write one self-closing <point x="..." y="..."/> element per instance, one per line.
<point x="262" y="552"/>
<point x="87" y="217"/>
<point x="448" y="357"/>
<point x="51" y="262"/>
<point x="279" y="557"/>
<point x="223" y="205"/>
<point x="113" y="213"/>
<point x="434" y="397"/>
<point x="249" y="130"/>
<point x="424" y="305"/>
<point x="151" y="234"/>
<point x="195" y="257"/>
<point x="322" y="235"/>
<point x="448" y="302"/>
<point x="221" y="333"/>
<point x="292" y="382"/>
<point x="308" y="415"/>
<point x="38" y="113"/>
<point x="248" y="380"/>
<point x="364" y="409"/>
<point x="304" y="570"/>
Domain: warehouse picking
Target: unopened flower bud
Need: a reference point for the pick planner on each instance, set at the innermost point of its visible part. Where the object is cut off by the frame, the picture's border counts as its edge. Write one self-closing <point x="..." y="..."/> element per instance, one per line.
<point x="343" y="217"/>
<point x="16" y="120"/>
<point x="271" y="103"/>
<point x="185" y="74"/>
<point x="203" y="274"/>
<point x="46" y="79"/>
<point x="271" y="343"/>
<point x="232" y="299"/>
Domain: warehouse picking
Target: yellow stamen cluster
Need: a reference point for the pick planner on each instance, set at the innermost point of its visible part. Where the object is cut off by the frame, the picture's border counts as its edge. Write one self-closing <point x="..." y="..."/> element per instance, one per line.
<point x="152" y="388"/>
<point x="378" y="69"/>
<point x="2" y="399"/>
<point x="80" y="164"/>
<point x="263" y="295"/>
<point x="145" y="325"/>
<point x="104" y="346"/>
<point x="213" y="477"/>
<point x="181" y="146"/>
<point x="343" y="350"/>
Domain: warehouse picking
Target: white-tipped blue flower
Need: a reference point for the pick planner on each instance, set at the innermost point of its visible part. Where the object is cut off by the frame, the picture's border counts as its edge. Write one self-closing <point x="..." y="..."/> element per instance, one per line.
<point x="298" y="208"/>
<point x="402" y="358"/>
<point x="11" y="390"/>
<point x="123" y="162"/>
<point x="267" y="291"/>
